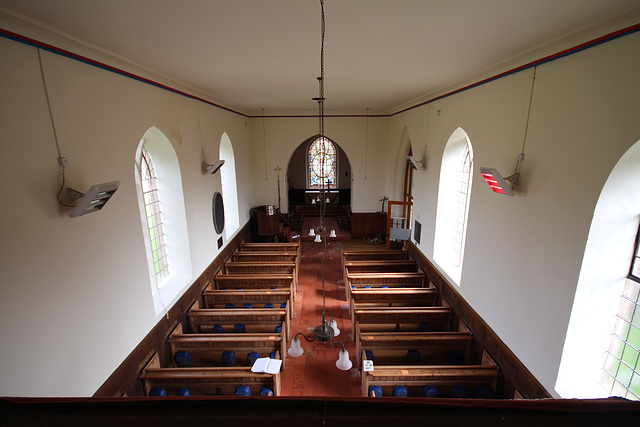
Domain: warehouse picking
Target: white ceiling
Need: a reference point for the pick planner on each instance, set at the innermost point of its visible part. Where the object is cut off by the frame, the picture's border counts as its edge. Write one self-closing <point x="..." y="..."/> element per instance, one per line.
<point x="379" y="54"/>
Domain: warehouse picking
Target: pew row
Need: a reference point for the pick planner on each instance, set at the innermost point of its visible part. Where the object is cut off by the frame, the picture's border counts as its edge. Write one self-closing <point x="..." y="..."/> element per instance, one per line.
<point x="207" y="349"/>
<point x="393" y="297"/>
<point x="256" y="281"/>
<point x="444" y="377"/>
<point x="377" y="280"/>
<point x="403" y="319"/>
<point x="262" y="320"/>
<point x="217" y="298"/>
<point x="275" y="247"/>
<point x="392" y="348"/>
<point x="206" y="381"/>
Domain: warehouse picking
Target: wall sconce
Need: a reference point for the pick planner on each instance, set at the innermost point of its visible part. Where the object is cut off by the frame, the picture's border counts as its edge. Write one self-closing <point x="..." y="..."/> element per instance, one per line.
<point x="208" y="169"/>
<point x="497" y="182"/>
<point x="93" y="200"/>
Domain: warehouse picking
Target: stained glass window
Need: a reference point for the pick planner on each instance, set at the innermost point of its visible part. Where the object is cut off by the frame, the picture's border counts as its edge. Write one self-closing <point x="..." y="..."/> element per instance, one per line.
<point x="149" y="181"/>
<point x="322" y="164"/>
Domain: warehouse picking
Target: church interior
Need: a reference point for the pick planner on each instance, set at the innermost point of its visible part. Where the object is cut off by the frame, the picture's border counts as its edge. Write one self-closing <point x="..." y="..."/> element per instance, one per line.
<point x="490" y="149"/>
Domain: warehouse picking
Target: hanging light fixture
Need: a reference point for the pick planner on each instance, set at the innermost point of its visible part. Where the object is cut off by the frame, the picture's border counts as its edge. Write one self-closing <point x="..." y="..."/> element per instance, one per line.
<point x="325" y="332"/>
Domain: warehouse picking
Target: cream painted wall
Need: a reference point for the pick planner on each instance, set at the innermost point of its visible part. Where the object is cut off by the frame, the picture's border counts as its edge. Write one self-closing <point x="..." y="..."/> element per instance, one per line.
<point x="284" y="135"/>
<point x="76" y="297"/>
<point x="523" y="254"/>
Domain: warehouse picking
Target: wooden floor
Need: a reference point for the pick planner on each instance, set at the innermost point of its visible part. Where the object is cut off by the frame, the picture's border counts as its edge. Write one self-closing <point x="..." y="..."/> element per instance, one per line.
<point x="315" y="373"/>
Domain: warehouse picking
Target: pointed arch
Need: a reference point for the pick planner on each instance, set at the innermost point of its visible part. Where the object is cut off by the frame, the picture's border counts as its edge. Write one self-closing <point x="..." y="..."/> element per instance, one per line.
<point x="229" y="186"/>
<point x="454" y="193"/>
<point x="163" y="217"/>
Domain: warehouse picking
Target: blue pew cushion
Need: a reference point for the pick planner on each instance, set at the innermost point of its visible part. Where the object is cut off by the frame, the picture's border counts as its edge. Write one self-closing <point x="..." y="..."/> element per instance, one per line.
<point x="230" y="305"/>
<point x="157" y="391"/>
<point x="182" y="392"/>
<point x="228" y="358"/>
<point x="430" y="391"/>
<point x="247" y="305"/>
<point x="264" y="391"/>
<point x="369" y="354"/>
<point x="268" y="305"/>
<point x="424" y="327"/>
<point x="375" y="389"/>
<point x="484" y="392"/>
<point x="278" y="329"/>
<point x="252" y="357"/>
<point x="243" y="390"/>
<point x="413" y="357"/>
<point x="459" y="392"/>
<point x="273" y="355"/>
<point x="399" y="391"/>
<point x="218" y="329"/>
<point x="283" y="305"/>
<point x="182" y="358"/>
<point x="239" y="328"/>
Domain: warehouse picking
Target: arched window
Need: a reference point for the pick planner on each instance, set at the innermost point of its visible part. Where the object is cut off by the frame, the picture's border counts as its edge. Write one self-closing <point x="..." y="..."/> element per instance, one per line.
<point x="454" y="193"/>
<point x="600" y="354"/>
<point x="163" y="218"/>
<point x="150" y="195"/>
<point x="322" y="164"/>
<point x="229" y="186"/>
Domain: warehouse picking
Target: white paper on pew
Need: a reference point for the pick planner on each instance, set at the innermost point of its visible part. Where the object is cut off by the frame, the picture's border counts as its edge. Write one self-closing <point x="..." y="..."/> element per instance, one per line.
<point x="267" y="365"/>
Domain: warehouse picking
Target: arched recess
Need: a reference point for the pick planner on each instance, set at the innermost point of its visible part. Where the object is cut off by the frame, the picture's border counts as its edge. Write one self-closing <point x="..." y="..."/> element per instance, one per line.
<point x="297" y="169"/>
<point x="229" y="187"/>
<point x="454" y="193"/>
<point x="170" y="203"/>
<point x="605" y="266"/>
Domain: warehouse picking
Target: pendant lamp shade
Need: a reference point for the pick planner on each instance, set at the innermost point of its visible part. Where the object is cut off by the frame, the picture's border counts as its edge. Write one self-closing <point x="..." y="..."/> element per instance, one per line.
<point x="343" y="363"/>
<point x="318" y="239"/>
<point x="296" y="349"/>
<point x="334" y="325"/>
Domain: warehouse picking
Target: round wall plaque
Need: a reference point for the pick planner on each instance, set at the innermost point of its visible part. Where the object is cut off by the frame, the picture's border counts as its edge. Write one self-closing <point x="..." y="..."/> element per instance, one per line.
<point x="218" y="212"/>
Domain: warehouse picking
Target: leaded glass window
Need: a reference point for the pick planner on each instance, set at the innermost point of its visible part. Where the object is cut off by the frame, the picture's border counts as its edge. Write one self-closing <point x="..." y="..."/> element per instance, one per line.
<point x="149" y="181"/>
<point x="322" y="164"/>
<point x="621" y="373"/>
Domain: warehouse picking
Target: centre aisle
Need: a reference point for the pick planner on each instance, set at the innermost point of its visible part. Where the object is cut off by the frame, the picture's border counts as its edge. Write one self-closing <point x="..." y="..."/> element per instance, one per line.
<point x="315" y="373"/>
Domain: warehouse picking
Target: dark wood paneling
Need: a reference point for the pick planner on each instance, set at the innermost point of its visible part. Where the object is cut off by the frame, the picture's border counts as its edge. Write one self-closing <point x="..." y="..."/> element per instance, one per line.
<point x="516" y="375"/>
<point x="124" y="380"/>
<point x="368" y="224"/>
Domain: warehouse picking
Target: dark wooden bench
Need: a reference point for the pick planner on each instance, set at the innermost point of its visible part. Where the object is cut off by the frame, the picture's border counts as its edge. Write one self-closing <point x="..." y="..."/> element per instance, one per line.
<point x="205" y="381"/>
<point x="390" y="348"/>
<point x="260" y="268"/>
<point x="207" y="349"/>
<point x="393" y="297"/>
<point x="445" y="377"/>
<point x="374" y="255"/>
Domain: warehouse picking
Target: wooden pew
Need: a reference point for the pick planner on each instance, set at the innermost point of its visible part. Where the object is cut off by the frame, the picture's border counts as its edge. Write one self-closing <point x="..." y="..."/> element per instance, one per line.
<point x="402" y="319"/>
<point x="392" y="297"/>
<point x="206" y="381"/>
<point x="207" y="349"/>
<point x="376" y="280"/>
<point x="442" y="376"/>
<point x="374" y="255"/>
<point x="275" y="247"/>
<point x="260" y="268"/>
<point x="231" y="267"/>
<point x="390" y="348"/>
<point x="217" y="298"/>
<point x="261" y="320"/>
<point x="256" y="281"/>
